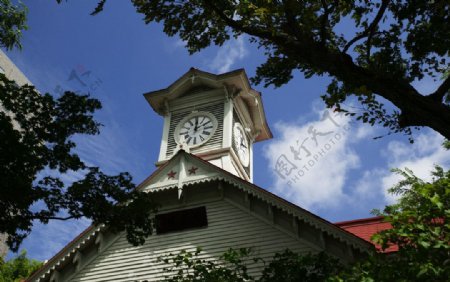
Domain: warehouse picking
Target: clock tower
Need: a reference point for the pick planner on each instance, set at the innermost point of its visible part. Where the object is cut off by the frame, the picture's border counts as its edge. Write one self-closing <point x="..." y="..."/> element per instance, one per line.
<point x="215" y="117"/>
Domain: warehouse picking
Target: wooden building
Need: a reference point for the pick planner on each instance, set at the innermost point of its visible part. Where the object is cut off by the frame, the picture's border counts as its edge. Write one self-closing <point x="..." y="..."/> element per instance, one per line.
<point x="203" y="182"/>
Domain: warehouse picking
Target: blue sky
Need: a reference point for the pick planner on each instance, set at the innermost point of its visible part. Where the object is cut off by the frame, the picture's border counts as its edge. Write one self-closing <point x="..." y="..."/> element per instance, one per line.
<point x="126" y="58"/>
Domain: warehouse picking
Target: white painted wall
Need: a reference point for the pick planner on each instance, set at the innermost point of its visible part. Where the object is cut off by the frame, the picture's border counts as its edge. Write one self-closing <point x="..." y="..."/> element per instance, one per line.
<point x="228" y="226"/>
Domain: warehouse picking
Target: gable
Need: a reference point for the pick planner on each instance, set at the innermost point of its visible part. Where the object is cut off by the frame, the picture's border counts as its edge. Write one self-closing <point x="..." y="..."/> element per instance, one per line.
<point x="249" y="192"/>
<point x="254" y="216"/>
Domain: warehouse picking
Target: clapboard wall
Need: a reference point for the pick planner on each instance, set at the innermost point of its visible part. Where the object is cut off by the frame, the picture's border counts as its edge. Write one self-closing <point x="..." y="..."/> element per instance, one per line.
<point x="228" y="226"/>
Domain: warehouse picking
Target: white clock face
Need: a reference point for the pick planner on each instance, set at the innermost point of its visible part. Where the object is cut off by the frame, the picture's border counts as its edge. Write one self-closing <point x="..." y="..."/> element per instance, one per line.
<point x="195" y="129"/>
<point x="241" y="144"/>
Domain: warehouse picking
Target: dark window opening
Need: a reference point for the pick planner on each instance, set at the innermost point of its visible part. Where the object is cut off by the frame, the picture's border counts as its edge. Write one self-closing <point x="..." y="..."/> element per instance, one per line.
<point x="181" y="220"/>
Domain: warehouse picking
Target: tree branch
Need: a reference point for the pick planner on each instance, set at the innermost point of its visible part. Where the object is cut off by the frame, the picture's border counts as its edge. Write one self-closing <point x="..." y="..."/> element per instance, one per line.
<point x="416" y="109"/>
<point x="52" y="217"/>
<point x="324" y="22"/>
<point x="439" y="94"/>
<point x="99" y="7"/>
<point x="371" y="29"/>
<point x="290" y="18"/>
<point x="264" y="34"/>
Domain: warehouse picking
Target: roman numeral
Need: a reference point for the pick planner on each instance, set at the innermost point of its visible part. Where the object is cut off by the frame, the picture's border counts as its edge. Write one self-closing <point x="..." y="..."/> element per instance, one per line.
<point x="189" y="140"/>
<point x="201" y="138"/>
<point x="195" y="140"/>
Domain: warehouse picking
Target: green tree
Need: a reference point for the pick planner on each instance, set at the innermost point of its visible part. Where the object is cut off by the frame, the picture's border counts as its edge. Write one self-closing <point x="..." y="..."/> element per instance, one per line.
<point x="233" y="267"/>
<point x="420" y="228"/>
<point x="12" y="23"/>
<point x="189" y="266"/>
<point x="36" y="150"/>
<point x="291" y="267"/>
<point x="18" y="268"/>
<point x="446" y="144"/>
<point x="371" y="49"/>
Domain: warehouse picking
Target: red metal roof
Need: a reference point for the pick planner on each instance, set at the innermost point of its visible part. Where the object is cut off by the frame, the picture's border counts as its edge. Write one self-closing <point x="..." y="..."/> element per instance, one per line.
<point x="366" y="227"/>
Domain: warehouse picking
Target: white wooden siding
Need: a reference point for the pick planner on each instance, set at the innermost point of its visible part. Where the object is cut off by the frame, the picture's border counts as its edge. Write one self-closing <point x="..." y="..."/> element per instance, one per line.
<point x="228" y="226"/>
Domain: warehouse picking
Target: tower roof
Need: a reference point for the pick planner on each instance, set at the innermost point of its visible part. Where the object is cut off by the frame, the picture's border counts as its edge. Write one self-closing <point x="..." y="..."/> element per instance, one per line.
<point x="235" y="83"/>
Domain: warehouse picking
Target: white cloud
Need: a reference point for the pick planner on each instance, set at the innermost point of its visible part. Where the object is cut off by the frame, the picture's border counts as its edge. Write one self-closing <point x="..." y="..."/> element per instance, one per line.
<point x="327" y="179"/>
<point x="317" y="181"/>
<point x="180" y="43"/>
<point x="174" y="44"/>
<point x="365" y="132"/>
<point x="228" y="54"/>
<point x="364" y="186"/>
<point x="420" y="157"/>
<point x="366" y="189"/>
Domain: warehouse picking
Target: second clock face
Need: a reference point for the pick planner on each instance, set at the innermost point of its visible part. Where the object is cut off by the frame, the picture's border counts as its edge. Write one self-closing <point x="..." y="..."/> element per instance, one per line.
<point x="241" y="144"/>
<point x="195" y="129"/>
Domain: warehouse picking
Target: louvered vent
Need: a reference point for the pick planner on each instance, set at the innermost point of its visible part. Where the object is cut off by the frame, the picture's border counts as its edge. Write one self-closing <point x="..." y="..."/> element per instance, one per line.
<point x="216" y="140"/>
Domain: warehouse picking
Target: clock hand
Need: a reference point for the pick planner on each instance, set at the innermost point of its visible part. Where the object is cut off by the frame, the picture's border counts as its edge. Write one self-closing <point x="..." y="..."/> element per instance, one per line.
<point x="196" y="123"/>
